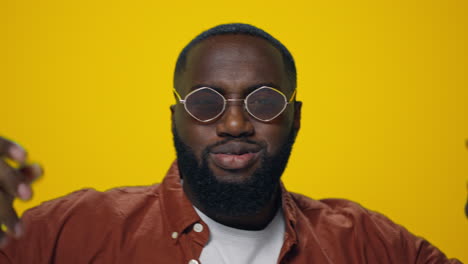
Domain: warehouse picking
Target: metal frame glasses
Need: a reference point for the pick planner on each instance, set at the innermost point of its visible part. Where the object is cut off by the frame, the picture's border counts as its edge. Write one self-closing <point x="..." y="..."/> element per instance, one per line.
<point x="225" y="101"/>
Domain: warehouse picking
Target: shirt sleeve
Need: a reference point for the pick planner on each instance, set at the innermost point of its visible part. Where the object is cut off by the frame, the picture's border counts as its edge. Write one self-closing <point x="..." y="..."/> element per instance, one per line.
<point x="416" y="250"/>
<point x="428" y="254"/>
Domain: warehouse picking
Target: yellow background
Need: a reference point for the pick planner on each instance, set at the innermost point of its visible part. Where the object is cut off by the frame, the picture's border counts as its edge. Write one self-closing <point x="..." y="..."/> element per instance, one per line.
<point x="86" y="87"/>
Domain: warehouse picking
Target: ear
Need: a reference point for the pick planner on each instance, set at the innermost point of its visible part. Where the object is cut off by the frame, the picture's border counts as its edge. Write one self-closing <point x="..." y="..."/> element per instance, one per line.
<point x="172" y="108"/>
<point x="297" y="116"/>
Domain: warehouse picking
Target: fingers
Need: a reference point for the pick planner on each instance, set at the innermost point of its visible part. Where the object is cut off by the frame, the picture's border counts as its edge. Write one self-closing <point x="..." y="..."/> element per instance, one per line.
<point x="31" y="172"/>
<point x="9" y="219"/>
<point x="15" y="179"/>
<point x="13" y="182"/>
<point x="12" y="151"/>
<point x="16" y="182"/>
<point x="10" y="179"/>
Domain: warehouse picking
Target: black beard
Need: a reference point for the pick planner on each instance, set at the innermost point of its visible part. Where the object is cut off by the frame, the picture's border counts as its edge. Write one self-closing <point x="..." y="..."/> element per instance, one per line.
<point x="232" y="199"/>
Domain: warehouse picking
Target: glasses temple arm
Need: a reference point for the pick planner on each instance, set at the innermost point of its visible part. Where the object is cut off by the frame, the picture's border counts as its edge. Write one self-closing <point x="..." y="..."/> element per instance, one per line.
<point x="177" y="94"/>
<point x="292" y="96"/>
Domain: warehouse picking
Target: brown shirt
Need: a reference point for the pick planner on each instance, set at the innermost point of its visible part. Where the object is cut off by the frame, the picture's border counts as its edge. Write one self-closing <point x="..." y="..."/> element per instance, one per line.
<point x="155" y="224"/>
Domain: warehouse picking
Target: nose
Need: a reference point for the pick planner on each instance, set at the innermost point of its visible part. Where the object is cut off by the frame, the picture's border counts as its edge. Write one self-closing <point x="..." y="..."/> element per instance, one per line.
<point x="235" y="121"/>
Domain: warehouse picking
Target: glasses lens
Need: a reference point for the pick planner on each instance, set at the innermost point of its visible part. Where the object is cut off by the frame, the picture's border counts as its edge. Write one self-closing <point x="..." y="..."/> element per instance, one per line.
<point x="204" y="104"/>
<point x="265" y="103"/>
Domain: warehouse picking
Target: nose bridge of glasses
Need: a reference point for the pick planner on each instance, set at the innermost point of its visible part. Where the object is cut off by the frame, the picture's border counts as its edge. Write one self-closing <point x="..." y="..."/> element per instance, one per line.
<point x="235" y="116"/>
<point x="234" y="100"/>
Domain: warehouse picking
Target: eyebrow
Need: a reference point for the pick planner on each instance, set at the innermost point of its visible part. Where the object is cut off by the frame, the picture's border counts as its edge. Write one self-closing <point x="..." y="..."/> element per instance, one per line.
<point x="248" y="90"/>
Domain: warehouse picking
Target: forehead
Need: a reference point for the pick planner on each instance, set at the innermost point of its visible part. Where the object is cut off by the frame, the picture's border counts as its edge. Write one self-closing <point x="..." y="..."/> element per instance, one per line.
<point x="234" y="63"/>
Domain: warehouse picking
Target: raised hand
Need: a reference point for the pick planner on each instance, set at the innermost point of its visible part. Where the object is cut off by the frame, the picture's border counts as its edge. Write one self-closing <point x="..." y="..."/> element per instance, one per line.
<point x="16" y="176"/>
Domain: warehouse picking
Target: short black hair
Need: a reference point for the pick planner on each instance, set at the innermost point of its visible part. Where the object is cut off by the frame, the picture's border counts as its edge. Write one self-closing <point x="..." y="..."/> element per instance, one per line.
<point x="242" y="29"/>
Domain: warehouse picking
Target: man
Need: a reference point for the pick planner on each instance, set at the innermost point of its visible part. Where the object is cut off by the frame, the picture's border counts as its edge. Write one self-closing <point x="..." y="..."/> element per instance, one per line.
<point x="234" y="123"/>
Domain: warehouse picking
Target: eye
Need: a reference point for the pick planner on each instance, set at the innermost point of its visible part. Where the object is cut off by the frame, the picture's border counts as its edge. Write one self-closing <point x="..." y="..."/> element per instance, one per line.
<point x="204" y="98"/>
<point x="261" y="101"/>
<point x="204" y="101"/>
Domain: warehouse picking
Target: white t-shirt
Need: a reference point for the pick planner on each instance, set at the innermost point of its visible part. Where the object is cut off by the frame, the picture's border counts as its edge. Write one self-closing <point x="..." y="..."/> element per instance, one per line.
<point x="228" y="245"/>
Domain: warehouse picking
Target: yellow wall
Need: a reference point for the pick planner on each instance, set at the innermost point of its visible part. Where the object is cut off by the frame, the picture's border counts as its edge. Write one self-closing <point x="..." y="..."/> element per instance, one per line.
<point x="86" y="87"/>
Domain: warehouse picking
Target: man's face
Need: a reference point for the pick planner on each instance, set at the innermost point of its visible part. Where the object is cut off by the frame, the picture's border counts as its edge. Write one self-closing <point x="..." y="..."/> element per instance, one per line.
<point x="235" y="146"/>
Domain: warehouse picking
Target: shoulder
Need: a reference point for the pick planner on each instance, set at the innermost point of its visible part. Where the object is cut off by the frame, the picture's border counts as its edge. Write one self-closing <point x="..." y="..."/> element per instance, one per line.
<point x="334" y="206"/>
<point x="346" y="213"/>
<point x="89" y="213"/>
<point x="90" y="202"/>
<point x="81" y="224"/>
<point x="365" y="230"/>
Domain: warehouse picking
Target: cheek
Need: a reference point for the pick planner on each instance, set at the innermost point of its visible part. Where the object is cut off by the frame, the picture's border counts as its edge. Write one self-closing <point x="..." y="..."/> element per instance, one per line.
<point x="276" y="133"/>
<point x="274" y="136"/>
<point x="194" y="135"/>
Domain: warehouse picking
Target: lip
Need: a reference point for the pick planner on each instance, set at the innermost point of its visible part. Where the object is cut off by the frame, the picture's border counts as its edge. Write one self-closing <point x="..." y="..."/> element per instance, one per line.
<point x="235" y="155"/>
<point x="234" y="161"/>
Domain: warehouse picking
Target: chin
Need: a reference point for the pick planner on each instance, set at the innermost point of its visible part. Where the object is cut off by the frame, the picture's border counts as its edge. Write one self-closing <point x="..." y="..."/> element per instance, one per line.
<point x="232" y="177"/>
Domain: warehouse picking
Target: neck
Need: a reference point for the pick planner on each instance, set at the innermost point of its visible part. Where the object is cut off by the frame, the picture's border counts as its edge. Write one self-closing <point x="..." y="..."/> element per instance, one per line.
<point x="255" y="221"/>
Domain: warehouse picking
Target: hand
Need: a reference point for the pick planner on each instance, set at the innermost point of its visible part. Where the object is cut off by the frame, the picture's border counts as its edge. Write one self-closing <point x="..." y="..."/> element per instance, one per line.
<point x="16" y="176"/>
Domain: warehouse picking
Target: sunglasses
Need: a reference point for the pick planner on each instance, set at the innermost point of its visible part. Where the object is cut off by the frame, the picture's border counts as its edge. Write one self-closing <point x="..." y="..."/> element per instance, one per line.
<point x="206" y="104"/>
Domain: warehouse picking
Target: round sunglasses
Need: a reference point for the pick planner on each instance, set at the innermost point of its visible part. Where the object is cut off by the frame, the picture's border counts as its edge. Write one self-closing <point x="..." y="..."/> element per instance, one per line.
<point x="206" y="104"/>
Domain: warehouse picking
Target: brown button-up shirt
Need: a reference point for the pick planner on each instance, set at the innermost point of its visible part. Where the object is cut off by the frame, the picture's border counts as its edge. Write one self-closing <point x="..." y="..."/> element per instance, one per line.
<point x="155" y="224"/>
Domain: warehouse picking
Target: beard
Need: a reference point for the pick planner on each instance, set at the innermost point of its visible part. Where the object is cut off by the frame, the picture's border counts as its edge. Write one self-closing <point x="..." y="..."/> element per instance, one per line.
<point x="232" y="199"/>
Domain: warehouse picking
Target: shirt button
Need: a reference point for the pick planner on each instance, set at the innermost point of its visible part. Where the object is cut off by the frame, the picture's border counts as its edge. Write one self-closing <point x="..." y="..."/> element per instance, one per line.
<point x="174" y="235"/>
<point x="193" y="261"/>
<point x="197" y="228"/>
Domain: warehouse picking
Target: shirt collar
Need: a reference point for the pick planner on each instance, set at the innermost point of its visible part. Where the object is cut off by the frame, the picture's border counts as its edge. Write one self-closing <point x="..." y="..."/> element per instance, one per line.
<point x="177" y="207"/>
<point x="181" y="214"/>
<point x="290" y="213"/>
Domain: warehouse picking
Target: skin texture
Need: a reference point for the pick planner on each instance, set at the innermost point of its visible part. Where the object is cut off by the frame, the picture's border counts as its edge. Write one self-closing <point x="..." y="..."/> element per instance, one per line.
<point x="235" y="64"/>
